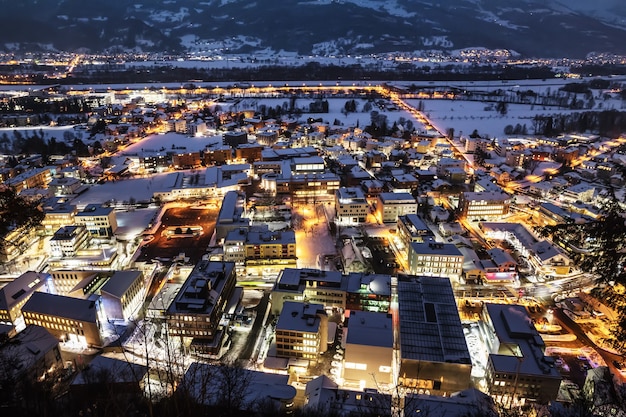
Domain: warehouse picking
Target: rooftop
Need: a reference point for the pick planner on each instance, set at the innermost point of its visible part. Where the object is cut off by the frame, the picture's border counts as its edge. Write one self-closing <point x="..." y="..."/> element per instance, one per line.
<point x="430" y="327"/>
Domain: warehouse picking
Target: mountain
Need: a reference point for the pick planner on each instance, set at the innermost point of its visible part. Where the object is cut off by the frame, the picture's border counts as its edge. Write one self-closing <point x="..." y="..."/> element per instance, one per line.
<point x="531" y="28"/>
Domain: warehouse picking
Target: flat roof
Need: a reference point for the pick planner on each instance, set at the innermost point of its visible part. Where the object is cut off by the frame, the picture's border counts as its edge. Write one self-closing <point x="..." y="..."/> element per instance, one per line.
<point x="397" y="198"/>
<point x="62" y="306"/>
<point x="120" y="282"/>
<point x="438" y="248"/>
<point x="513" y="326"/>
<point x="430" y="327"/>
<point x="301" y="317"/>
<point x="369" y="283"/>
<point x="95" y="210"/>
<point x="202" y="288"/>
<point x="370" y="329"/>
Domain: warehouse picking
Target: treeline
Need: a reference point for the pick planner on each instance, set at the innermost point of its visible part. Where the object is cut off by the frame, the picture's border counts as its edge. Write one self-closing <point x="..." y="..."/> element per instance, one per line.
<point x="607" y="123"/>
<point x="35" y="142"/>
<point x="313" y="71"/>
<point x="33" y="104"/>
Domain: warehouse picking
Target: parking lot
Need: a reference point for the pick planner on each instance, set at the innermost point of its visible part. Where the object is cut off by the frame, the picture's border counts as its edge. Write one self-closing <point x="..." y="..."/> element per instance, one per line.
<point x="193" y="245"/>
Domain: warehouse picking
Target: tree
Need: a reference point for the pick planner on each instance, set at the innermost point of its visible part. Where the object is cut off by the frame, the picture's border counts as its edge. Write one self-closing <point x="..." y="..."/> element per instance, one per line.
<point x="17" y="213"/>
<point x="604" y="256"/>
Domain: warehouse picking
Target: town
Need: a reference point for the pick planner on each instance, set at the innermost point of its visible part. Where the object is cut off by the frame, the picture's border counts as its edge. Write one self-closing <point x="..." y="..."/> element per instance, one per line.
<point x="321" y="247"/>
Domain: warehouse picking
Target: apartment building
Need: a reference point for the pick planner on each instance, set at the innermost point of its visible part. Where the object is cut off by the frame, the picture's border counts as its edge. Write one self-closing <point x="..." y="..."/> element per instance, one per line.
<point x="301" y="331"/>
<point x="435" y="259"/>
<point x="390" y="206"/>
<point x="351" y="206"/>
<point x="411" y="228"/>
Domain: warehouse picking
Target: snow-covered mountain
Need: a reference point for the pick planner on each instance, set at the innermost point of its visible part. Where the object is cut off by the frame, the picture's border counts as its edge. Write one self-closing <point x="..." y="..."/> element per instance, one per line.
<point x="540" y="28"/>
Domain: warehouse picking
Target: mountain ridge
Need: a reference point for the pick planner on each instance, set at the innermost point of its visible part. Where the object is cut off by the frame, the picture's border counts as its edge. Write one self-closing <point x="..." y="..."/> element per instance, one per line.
<point x="551" y="28"/>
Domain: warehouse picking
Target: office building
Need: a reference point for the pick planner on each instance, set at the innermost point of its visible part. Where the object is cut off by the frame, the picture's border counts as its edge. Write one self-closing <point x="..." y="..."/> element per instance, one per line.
<point x="518" y="371"/>
<point x="195" y="314"/>
<point x="67" y="318"/>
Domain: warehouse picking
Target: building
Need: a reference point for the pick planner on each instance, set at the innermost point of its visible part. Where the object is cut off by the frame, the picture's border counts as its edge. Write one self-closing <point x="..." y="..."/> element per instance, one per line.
<point x="186" y="160"/>
<point x="16" y="293"/>
<point x="67" y="282"/>
<point x="67" y="318"/>
<point x="260" y="250"/>
<point x="484" y="205"/>
<point x="29" y="356"/>
<point x="123" y="295"/>
<point x="301" y="331"/>
<point x="351" y="206"/>
<point x="549" y="259"/>
<point x="197" y="310"/>
<point x="411" y="228"/>
<point x="123" y="380"/>
<point x="434" y="358"/>
<point x="58" y="216"/>
<point x="100" y="221"/>
<point x="32" y="178"/>
<point x="368" y="345"/>
<point x="323" y="397"/>
<point x="390" y="206"/>
<point x="517" y="369"/>
<point x="250" y="391"/>
<point x="579" y="192"/>
<point x="68" y="240"/>
<point x="231" y="215"/>
<point x="303" y="186"/>
<point x="368" y="292"/>
<point x="436" y="259"/>
<point x="66" y="186"/>
<point x="308" y="285"/>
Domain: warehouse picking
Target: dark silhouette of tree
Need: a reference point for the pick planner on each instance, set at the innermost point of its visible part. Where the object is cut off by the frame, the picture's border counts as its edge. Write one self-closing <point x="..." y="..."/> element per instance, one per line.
<point x="604" y="256"/>
<point x="17" y="213"/>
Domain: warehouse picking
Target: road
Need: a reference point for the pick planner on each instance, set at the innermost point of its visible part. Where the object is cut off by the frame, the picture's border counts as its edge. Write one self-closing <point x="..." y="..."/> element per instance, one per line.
<point x="572" y="327"/>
